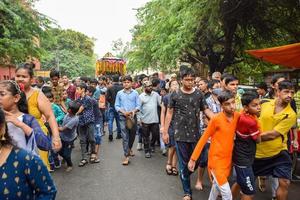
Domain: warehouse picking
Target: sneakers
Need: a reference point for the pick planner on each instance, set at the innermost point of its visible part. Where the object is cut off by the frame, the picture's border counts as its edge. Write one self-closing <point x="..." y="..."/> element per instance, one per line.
<point x="147" y="155"/>
<point x="57" y="164"/>
<point x="110" y="138"/>
<point x="139" y="147"/>
<point x="152" y="150"/>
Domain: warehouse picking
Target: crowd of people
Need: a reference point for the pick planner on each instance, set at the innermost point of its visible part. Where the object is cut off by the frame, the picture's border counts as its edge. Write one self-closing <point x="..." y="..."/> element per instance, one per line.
<point x="197" y="123"/>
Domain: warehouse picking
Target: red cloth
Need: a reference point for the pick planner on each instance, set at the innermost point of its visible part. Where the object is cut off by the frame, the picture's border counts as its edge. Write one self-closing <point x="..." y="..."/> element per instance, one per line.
<point x="287" y="55"/>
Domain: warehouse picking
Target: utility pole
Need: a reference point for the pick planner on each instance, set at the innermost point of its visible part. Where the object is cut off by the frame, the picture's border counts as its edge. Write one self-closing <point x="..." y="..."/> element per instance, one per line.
<point x="57" y="60"/>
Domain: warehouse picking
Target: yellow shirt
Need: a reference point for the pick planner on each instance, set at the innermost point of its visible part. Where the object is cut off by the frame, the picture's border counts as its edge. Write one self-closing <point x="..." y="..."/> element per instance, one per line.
<point x="297" y="100"/>
<point x="281" y="122"/>
<point x="238" y="102"/>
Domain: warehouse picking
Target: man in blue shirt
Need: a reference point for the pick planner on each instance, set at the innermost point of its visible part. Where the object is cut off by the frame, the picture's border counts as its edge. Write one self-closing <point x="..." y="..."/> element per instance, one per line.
<point x="127" y="104"/>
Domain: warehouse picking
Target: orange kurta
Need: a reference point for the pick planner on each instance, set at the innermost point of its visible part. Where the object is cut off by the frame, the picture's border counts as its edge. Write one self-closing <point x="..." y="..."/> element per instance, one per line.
<point x="222" y="132"/>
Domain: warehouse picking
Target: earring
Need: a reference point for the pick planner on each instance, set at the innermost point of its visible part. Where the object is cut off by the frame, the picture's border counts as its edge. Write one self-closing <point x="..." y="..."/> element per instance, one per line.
<point x="3" y="138"/>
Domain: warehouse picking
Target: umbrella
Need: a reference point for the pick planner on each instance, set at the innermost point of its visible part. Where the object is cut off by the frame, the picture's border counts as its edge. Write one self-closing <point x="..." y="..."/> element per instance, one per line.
<point x="287" y="55"/>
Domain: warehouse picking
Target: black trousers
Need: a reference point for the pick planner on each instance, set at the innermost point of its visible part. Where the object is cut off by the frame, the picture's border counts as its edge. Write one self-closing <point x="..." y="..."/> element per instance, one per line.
<point x="148" y="129"/>
<point x="66" y="152"/>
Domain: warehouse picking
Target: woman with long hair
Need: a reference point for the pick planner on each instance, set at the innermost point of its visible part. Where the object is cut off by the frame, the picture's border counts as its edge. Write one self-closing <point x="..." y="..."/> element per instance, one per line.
<point x="23" y="128"/>
<point x="38" y="106"/>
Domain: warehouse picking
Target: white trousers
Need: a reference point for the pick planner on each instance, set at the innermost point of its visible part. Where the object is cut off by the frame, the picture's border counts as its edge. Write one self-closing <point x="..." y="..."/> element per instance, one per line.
<point x="217" y="189"/>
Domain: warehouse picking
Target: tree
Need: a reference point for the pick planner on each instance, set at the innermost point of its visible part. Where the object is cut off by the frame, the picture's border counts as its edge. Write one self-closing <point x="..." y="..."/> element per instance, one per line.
<point x="70" y="51"/>
<point x="20" y="29"/>
<point x="213" y="32"/>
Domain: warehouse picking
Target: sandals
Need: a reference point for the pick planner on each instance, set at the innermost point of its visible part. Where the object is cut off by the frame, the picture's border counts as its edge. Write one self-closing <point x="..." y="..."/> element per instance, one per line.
<point x="169" y="169"/>
<point x="82" y="163"/>
<point x="174" y="171"/>
<point x="126" y="161"/>
<point x="187" y="197"/>
<point x="94" y="159"/>
<point x="131" y="153"/>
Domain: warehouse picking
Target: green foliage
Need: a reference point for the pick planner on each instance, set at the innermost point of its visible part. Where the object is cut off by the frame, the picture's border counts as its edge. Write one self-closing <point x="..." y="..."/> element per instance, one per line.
<point x="20" y="28"/>
<point x="70" y="51"/>
<point x="213" y="32"/>
<point x="166" y="28"/>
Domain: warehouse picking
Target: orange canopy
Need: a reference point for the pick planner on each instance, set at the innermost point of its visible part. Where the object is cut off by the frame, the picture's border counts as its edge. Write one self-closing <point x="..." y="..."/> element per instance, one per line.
<point x="287" y="55"/>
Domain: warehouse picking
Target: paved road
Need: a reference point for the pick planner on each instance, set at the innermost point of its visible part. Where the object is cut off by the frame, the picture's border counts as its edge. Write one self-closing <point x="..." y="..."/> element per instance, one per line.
<point x="143" y="179"/>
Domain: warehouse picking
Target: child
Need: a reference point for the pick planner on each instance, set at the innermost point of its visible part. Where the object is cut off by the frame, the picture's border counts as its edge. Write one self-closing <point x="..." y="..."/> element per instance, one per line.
<point x="58" y="112"/>
<point x="247" y="133"/>
<point x="221" y="130"/>
<point x="68" y="133"/>
<point x="23" y="128"/>
<point x="184" y="109"/>
<point x="59" y="116"/>
<point x="86" y="124"/>
<point x="66" y="99"/>
<point x="98" y="122"/>
<point x="215" y="107"/>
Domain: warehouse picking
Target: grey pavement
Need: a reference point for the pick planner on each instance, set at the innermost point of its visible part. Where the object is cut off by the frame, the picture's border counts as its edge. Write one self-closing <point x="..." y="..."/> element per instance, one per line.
<point x="143" y="179"/>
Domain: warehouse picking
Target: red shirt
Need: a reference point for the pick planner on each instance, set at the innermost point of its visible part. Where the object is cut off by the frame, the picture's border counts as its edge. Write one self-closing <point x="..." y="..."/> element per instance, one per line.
<point x="247" y="126"/>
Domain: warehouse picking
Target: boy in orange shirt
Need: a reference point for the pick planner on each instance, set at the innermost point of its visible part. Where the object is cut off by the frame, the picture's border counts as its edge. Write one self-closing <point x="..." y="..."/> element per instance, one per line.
<point x="221" y="130"/>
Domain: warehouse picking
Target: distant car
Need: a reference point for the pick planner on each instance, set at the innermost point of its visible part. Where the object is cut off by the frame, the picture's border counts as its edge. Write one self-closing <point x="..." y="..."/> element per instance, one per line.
<point x="245" y="88"/>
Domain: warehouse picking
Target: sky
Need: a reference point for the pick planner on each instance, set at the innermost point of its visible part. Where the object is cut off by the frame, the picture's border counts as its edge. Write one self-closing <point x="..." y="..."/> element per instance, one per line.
<point x="105" y="20"/>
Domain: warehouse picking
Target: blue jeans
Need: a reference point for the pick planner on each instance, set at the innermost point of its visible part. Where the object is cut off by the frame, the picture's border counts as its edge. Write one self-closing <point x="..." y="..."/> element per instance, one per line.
<point x="128" y="135"/>
<point x="184" y="151"/>
<point x="98" y="133"/>
<point x="113" y="114"/>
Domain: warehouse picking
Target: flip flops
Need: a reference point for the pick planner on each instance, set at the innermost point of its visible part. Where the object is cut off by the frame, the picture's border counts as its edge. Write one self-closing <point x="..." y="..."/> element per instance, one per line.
<point x="169" y="169"/>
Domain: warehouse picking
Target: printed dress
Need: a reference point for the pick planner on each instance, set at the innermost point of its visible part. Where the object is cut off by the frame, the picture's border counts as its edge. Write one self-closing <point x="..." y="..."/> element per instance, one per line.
<point x="24" y="176"/>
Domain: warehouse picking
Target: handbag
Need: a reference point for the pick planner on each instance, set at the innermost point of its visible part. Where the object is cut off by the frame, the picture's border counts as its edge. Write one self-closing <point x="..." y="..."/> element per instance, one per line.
<point x="130" y="122"/>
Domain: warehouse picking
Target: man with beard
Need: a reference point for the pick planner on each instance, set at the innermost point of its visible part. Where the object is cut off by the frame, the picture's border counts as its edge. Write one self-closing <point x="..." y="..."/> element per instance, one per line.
<point x="276" y="119"/>
<point x="148" y="117"/>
